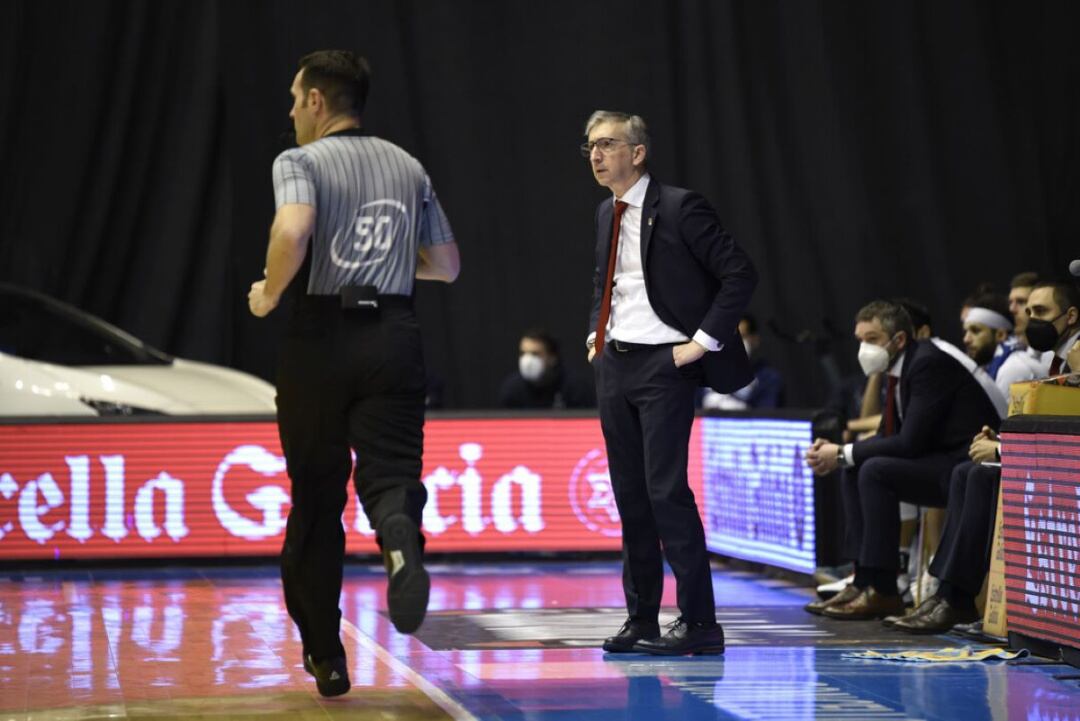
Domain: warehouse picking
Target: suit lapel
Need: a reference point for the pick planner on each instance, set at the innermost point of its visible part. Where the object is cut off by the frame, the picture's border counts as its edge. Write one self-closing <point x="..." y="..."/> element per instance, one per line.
<point x="603" y="235"/>
<point x="905" y="376"/>
<point x="649" y="215"/>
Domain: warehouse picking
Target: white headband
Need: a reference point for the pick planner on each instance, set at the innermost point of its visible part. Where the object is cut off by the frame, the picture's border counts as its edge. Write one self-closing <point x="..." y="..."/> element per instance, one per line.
<point x="989" y="318"/>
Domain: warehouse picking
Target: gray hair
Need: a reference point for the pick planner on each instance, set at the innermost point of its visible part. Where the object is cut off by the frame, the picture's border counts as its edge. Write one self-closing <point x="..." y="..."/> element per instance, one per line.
<point x="892" y="316"/>
<point x="636" y="132"/>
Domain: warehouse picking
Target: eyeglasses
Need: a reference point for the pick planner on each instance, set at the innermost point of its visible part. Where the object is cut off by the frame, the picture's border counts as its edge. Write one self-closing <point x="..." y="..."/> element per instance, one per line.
<point x="606" y="145"/>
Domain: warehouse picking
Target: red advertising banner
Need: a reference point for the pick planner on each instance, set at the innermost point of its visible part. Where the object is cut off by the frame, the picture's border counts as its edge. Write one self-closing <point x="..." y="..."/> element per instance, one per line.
<point x="1040" y="498"/>
<point x="176" y="489"/>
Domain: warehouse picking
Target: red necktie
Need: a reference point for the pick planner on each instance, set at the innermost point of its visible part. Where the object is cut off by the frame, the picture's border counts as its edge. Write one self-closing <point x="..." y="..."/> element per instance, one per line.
<point x="609" y="280"/>
<point x="890" y="405"/>
<point x="1055" y="366"/>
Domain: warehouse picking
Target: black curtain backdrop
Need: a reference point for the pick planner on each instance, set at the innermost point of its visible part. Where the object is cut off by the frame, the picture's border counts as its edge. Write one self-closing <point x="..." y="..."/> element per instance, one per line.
<point x="856" y="149"/>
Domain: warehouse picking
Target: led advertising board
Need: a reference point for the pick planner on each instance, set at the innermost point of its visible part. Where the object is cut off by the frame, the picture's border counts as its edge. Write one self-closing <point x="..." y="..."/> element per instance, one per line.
<point x="173" y="488"/>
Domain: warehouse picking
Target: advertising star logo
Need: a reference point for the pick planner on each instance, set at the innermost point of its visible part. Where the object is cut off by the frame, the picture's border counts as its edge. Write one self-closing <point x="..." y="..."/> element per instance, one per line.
<point x="591" y="496"/>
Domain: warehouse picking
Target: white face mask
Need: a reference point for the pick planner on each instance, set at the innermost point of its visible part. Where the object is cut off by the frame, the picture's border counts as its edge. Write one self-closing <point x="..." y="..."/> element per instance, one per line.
<point x="531" y="366"/>
<point x="873" y="358"/>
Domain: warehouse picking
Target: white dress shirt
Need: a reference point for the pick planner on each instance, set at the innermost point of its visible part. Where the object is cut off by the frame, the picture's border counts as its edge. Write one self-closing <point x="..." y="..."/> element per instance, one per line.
<point x="633" y="319"/>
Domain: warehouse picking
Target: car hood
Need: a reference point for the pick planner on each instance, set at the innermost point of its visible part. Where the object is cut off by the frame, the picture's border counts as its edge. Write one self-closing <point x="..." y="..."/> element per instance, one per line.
<point x="181" y="388"/>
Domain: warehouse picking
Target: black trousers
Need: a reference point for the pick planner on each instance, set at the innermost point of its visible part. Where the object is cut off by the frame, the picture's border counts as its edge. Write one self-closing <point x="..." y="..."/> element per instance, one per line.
<point x="646" y="412"/>
<point x="871" y="494"/>
<point x="347" y="381"/>
<point x="963" y="557"/>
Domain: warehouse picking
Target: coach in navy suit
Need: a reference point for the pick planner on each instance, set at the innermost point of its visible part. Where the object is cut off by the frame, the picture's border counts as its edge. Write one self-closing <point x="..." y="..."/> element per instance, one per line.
<point x="933" y="406"/>
<point x="670" y="288"/>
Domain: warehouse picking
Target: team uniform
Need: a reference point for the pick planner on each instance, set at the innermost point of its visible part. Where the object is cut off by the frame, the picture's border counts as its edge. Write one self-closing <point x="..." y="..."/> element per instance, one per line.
<point x="351" y="370"/>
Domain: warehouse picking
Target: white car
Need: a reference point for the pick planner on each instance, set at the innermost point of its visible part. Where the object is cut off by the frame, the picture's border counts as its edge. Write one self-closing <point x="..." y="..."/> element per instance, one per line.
<point x="56" y="360"/>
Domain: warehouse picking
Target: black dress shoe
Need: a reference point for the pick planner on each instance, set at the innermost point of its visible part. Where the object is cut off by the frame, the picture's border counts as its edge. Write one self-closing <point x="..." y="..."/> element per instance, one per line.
<point x="818" y="607"/>
<point x="631" y="632"/>
<point x="331" y="675"/>
<point x="925" y="607"/>
<point x="409" y="586"/>
<point x="938" y="620"/>
<point x="685" y="638"/>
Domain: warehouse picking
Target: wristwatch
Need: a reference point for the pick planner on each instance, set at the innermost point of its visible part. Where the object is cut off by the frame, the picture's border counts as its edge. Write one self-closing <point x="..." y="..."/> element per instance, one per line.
<point x="840" y="459"/>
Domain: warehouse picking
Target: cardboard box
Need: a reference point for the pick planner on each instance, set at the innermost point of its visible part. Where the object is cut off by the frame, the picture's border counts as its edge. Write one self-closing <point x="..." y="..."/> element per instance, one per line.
<point x="1044" y="398"/>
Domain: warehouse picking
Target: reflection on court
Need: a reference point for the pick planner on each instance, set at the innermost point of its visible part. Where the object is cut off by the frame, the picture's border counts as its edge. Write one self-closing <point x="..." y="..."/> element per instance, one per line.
<point x="508" y="641"/>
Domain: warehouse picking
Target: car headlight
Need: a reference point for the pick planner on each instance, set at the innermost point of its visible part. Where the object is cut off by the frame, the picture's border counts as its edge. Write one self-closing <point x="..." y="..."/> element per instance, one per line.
<point x="111" y="408"/>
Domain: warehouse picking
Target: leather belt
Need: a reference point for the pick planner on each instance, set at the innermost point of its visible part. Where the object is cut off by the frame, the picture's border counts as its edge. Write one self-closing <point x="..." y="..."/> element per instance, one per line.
<point x="623" y="347"/>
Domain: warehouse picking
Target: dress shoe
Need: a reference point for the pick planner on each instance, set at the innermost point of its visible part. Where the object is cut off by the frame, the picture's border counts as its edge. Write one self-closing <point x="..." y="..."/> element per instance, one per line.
<point x="409" y="586"/>
<point x="818" y="607"/>
<point x="631" y="632"/>
<point x="924" y="608"/>
<point x="685" y="638"/>
<point x="331" y="675"/>
<point x="867" y="605"/>
<point x="938" y="620"/>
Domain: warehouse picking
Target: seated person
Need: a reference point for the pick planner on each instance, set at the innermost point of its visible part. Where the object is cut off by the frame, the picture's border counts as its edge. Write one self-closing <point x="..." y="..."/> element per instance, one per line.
<point x="963" y="556"/>
<point x="1026" y="363"/>
<point x="1019" y="290"/>
<point x="981" y="289"/>
<point x="962" y="559"/>
<point x="541" y="381"/>
<point x="866" y="425"/>
<point x="988" y="325"/>
<point x="767" y="388"/>
<point x="1053" y="326"/>
<point x="933" y="406"/>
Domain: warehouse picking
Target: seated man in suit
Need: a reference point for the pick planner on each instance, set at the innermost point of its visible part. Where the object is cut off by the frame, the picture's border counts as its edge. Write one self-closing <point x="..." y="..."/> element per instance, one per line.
<point x="963" y="556"/>
<point x="933" y="406"/>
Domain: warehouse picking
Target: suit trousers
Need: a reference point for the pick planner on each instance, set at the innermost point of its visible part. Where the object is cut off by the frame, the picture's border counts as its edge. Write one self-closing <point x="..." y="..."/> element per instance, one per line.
<point x="646" y="411"/>
<point x="346" y="381"/>
<point x="872" y="492"/>
<point x="963" y="557"/>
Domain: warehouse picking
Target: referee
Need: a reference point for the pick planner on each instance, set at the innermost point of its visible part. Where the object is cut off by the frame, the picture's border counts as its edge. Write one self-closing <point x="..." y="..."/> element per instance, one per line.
<point x="350" y="370"/>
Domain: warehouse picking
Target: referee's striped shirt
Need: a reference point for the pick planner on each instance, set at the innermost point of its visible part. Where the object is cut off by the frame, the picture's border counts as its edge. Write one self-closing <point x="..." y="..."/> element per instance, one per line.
<point x="374" y="208"/>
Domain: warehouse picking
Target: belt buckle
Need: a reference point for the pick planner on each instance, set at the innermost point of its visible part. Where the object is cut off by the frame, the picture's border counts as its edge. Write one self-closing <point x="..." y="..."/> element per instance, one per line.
<point x="619" y="346"/>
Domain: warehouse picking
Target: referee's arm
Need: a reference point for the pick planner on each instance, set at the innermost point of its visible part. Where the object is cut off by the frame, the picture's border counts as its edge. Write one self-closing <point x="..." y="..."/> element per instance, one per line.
<point x="289" y="235"/>
<point x="438" y="262"/>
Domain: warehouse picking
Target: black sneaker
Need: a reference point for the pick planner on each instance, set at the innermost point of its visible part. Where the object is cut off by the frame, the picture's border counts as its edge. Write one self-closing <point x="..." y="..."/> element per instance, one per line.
<point x="409" y="584"/>
<point x="331" y="675"/>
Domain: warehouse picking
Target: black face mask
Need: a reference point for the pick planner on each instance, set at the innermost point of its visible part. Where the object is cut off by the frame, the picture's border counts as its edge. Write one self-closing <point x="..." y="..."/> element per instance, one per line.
<point x="1042" y="335"/>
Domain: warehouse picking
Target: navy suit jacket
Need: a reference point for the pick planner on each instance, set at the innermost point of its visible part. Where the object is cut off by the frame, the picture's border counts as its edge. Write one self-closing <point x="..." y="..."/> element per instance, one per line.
<point x="944" y="407"/>
<point x="696" y="275"/>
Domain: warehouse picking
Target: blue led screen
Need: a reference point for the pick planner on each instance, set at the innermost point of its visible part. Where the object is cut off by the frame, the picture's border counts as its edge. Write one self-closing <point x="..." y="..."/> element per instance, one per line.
<point x="758" y="490"/>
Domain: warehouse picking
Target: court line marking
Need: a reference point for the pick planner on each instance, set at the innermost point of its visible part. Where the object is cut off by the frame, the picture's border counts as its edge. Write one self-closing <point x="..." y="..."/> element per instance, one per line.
<point x="436" y="694"/>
